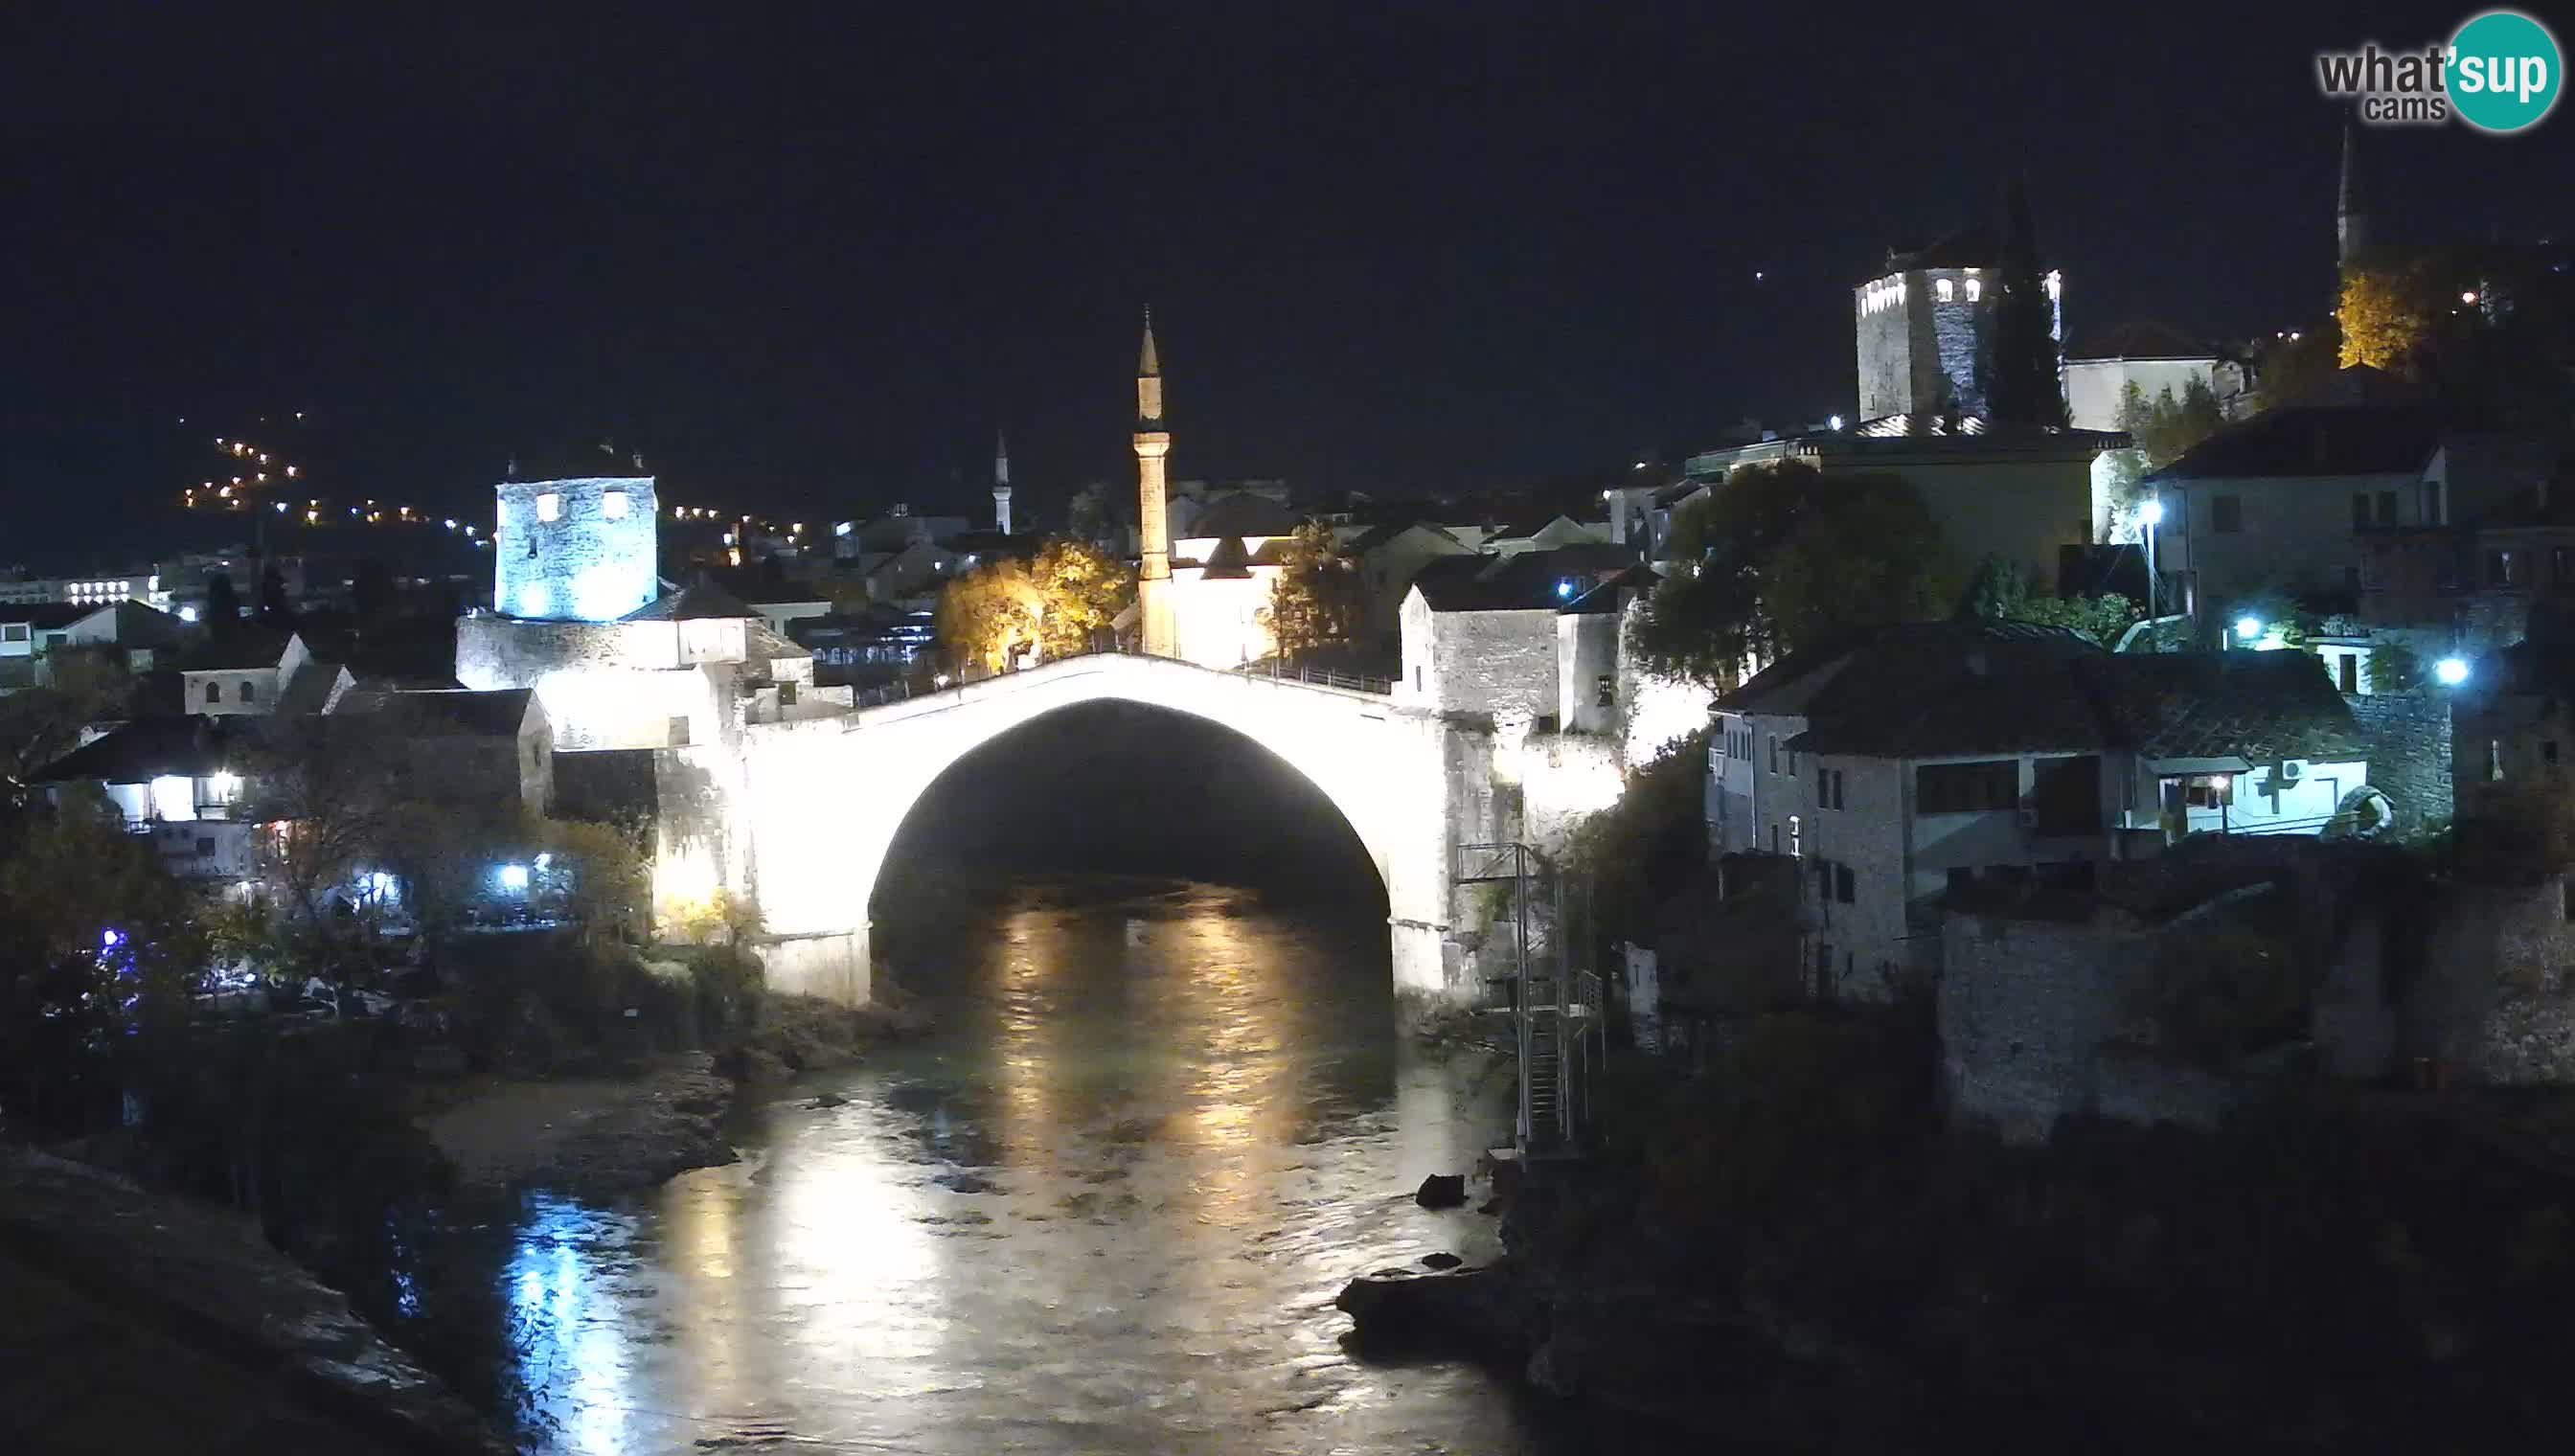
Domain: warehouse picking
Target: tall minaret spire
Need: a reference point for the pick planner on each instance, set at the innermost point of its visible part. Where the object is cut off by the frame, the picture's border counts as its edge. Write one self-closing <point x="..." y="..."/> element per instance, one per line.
<point x="2351" y="224"/>
<point x="1001" y="483"/>
<point x="1154" y="528"/>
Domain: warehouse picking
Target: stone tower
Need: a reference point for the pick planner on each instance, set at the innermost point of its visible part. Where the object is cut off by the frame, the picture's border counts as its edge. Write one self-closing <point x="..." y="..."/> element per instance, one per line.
<point x="2351" y="224"/>
<point x="1152" y="520"/>
<point x="1922" y="325"/>
<point x="1001" y="483"/>
<point x="576" y="540"/>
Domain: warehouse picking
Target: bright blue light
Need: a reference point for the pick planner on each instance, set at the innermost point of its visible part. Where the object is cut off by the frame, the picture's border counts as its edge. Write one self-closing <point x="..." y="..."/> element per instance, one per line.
<point x="110" y="939"/>
<point x="2248" y="628"/>
<point x="1564" y="589"/>
<point x="514" y="876"/>
<point x="2450" y="672"/>
<point x="533" y="599"/>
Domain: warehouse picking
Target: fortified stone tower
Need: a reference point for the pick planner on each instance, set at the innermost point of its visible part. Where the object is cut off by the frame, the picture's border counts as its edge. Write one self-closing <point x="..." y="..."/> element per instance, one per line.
<point x="1922" y="325"/>
<point x="1002" y="485"/>
<point x="577" y="543"/>
<point x="1153" y="525"/>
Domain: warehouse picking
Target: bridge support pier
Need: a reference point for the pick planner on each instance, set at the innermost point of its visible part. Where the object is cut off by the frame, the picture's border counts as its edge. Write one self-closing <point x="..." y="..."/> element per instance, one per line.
<point x="832" y="965"/>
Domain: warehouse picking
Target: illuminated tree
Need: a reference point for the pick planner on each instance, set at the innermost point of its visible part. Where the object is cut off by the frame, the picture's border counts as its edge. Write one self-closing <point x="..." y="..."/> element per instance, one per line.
<point x="1316" y="600"/>
<point x="1052" y="607"/>
<point x="2002" y="592"/>
<point x="2165" y="428"/>
<point x="2385" y="318"/>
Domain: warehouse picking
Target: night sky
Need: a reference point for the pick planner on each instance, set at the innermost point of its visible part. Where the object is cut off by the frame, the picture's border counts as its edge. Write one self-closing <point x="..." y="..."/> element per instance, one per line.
<point x="810" y="258"/>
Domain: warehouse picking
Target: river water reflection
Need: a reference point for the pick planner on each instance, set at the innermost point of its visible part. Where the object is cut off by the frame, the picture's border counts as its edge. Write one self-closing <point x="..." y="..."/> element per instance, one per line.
<point x="1104" y="1208"/>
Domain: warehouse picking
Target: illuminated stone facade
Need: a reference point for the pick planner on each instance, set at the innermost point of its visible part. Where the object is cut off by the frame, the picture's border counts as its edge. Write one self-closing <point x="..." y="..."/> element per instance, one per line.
<point x="580" y="550"/>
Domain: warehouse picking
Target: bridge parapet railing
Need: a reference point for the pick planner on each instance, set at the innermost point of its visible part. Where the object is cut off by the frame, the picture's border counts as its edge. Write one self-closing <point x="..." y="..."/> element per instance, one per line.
<point x="903" y="689"/>
<point x="1317" y="677"/>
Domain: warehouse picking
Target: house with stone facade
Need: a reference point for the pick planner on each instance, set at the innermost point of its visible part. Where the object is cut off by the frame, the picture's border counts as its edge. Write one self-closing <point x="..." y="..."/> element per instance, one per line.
<point x="1936" y="758"/>
<point x="178" y="782"/>
<point x="1479" y="631"/>
<point x="259" y="671"/>
<point x="488" y="746"/>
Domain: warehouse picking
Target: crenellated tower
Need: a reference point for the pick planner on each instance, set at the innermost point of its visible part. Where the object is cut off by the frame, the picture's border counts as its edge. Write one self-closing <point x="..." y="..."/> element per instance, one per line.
<point x="1154" y="528"/>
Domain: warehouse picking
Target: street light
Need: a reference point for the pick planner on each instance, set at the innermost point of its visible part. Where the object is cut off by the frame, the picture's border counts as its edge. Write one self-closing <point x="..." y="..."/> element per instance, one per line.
<point x="2150" y="516"/>
<point x="2248" y="628"/>
<point x="2450" y="672"/>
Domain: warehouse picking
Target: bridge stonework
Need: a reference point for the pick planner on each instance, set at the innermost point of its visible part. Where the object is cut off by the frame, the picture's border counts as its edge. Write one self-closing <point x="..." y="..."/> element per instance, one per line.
<point x="817" y="804"/>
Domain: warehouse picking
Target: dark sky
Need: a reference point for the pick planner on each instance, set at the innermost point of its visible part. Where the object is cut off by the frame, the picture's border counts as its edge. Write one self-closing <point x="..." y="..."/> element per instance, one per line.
<point x="810" y="258"/>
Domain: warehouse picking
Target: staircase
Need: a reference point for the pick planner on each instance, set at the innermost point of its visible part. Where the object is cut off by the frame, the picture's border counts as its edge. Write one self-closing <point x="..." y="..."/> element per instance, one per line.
<point x="1554" y="1013"/>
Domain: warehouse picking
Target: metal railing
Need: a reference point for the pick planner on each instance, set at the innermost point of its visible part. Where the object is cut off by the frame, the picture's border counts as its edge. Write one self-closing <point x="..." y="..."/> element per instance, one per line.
<point x="1318" y="677"/>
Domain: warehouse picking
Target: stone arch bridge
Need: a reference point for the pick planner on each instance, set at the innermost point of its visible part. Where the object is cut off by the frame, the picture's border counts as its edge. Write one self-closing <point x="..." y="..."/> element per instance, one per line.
<point x="802" y="813"/>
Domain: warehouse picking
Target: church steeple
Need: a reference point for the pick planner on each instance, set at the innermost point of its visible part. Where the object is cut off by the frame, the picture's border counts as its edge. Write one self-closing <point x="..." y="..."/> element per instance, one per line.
<point x="2351" y="224"/>
<point x="1158" y="631"/>
<point x="1001" y="483"/>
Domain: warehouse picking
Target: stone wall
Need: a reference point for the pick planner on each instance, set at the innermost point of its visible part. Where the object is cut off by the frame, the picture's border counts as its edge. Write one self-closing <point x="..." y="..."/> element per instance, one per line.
<point x="1493" y="664"/>
<point x="2409" y="751"/>
<point x="586" y="563"/>
<point x="2495" y="1003"/>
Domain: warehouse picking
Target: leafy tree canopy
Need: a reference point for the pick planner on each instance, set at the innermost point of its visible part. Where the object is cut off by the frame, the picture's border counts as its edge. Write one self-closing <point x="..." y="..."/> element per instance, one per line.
<point x="2002" y="592"/>
<point x="1316" y="602"/>
<point x="1055" y="604"/>
<point x="1778" y="557"/>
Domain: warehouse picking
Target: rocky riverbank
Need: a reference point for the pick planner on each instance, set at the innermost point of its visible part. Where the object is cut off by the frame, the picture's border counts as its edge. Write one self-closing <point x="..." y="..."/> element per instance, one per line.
<point x="587" y="1136"/>
<point x="138" y="1321"/>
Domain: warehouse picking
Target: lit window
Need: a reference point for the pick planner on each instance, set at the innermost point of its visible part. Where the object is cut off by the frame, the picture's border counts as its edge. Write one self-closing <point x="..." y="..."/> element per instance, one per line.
<point x="612" y="504"/>
<point x="1975" y="289"/>
<point x="1947" y="289"/>
<point x="550" y="506"/>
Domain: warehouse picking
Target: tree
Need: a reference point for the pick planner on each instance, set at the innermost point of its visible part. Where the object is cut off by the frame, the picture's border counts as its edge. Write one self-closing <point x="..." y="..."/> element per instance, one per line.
<point x="1316" y="600"/>
<point x="331" y="802"/>
<point x="40" y="725"/>
<point x="2166" y="428"/>
<point x="2385" y="317"/>
<point x="2394" y="668"/>
<point x="1778" y="557"/>
<point x="1054" y="606"/>
<point x="371" y="592"/>
<point x="2002" y="592"/>
<point x="2020" y="367"/>
<point x="273" y="607"/>
<point x="98" y="951"/>
<point x="223" y="602"/>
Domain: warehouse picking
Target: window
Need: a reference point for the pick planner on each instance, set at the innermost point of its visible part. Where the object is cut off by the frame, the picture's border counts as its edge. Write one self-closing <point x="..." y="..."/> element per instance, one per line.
<point x="13" y="631"/>
<point x="612" y="504"/>
<point x="1828" y="788"/>
<point x="679" y="731"/>
<point x="2207" y="790"/>
<point x="1837" y="789"/>
<point x="1946" y="288"/>
<point x="2503" y="569"/>
<point x="214" y="692"/>
<point x="1967" y="787"/>
<point x="1605" y="691"/>
<point x="2388" y="508"/>
<point x="249" y="692"/>
<point x="2359" y="508"/>
<point x="1844" y="883"/>
<point x="2561" y="567"/>
<point x="1775" y="753"/>
<point x="2066" y="794"/>
<point x="205" y="847"/>
<point x="2548" y="751"/>
<point x="1416" y="680"/>
<point x="2433" y="515"/>
<point x="2348" y="668"/>
<point x="1975" y="289"/>
<point x="2226" y="514"/>
<point x="1774" y="838"/>
<point x="550" y="506"/>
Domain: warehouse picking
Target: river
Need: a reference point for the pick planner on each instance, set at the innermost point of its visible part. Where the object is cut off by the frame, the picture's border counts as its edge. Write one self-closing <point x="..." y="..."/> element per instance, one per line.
<point x="1105" y="1208"/>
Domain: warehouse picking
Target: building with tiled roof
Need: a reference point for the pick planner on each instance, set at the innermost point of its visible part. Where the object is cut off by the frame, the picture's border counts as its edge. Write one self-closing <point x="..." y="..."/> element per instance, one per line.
<point x="1930" y="756"/>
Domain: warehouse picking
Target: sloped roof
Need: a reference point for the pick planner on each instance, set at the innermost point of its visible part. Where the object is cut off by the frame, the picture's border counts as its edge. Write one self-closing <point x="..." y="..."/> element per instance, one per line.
<point x="1606" y="597"/>
<point x="699" y="601"/>
<point x="493" y="713"/>
<point x="1528" y="581"/>
<point x="1943" y="689"/>
<point x="2260" y="707"/>
<point x="1977" y="247"/>
<point x="308" y="690"/>
<point x="238" y="649"/>
<point x="1243" y="512"/>
<point x="2142" y="339"/>
<point x="44" y="616"/>
<point x="149" y="747"/>
<point x="1377" y="535"/>
<point x="2304" y="439"/>
<point x="1227" y="561"/>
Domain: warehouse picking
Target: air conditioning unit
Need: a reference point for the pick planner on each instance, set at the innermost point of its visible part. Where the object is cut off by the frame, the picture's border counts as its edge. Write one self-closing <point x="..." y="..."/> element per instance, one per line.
<point x="2288" y="771"/>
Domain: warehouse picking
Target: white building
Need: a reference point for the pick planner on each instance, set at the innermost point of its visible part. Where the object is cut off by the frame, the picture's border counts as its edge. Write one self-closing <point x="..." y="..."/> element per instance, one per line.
<point x="257" y="671"/>
<point x="1956" y="759"/>
<point x="1480" y="631"/>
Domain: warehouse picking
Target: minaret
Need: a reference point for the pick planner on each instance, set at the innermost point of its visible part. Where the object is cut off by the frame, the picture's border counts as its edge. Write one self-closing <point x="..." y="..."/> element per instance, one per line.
<point x="2351" y="225"/>
<point x="1154" y="527"/>
<point x="1000" y="483"/>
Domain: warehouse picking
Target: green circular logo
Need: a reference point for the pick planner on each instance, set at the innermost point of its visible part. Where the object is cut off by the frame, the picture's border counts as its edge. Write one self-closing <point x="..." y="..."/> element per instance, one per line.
<point x="2505" y="71"/>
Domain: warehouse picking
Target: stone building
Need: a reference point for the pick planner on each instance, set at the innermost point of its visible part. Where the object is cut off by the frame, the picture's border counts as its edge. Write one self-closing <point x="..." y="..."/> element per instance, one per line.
<point x="576" y="540"/>
<point x="1922" y="325"/>
<point x="1935" y="756"/>
<point x="1479" y="631"/>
